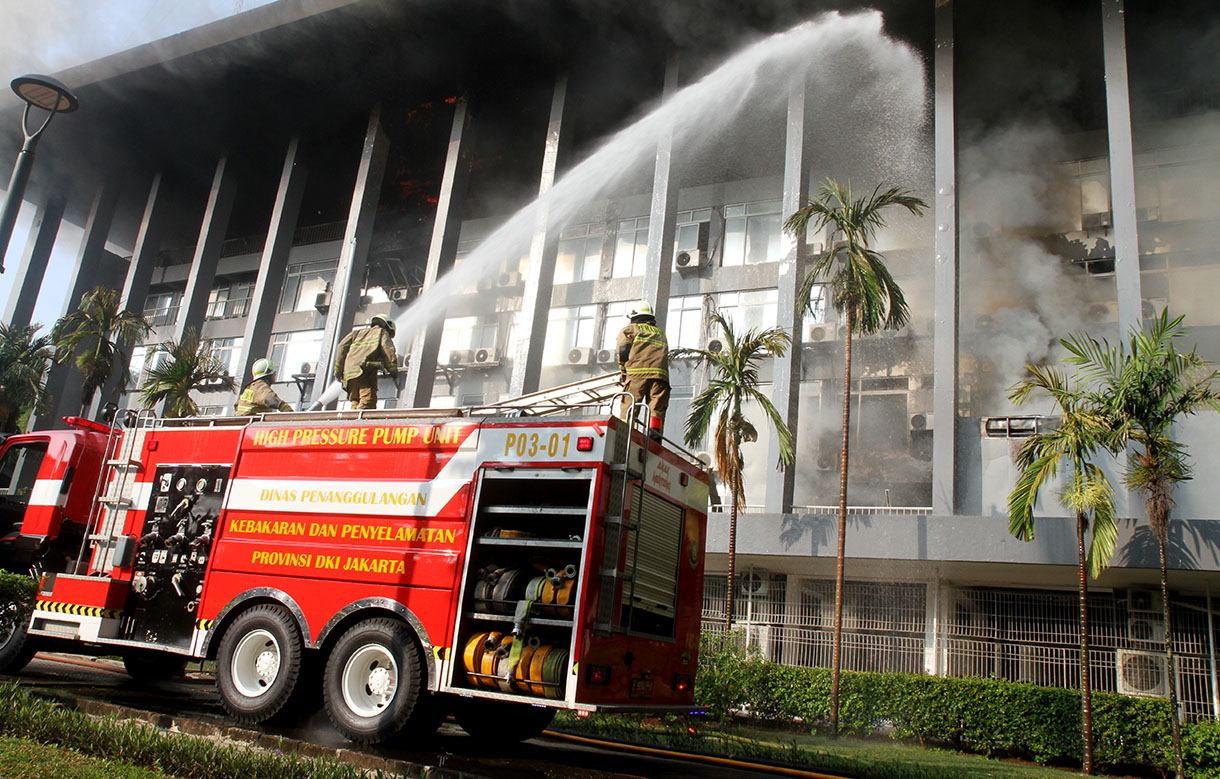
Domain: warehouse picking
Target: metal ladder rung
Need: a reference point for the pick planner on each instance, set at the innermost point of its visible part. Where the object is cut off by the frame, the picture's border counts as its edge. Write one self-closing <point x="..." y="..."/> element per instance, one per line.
<point x="116" y="500"/>
<point x="124" y="463"/>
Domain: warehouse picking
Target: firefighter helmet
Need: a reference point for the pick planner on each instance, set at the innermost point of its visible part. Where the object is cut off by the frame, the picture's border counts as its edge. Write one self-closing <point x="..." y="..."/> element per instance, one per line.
<point x="640" y="309"/>
<point x="263" y="367"/>
<point x="383" y="321"/>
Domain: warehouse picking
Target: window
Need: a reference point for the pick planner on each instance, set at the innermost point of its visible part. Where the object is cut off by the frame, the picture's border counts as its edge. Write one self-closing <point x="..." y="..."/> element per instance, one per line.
<point x="684" y="322"/>
<point x="18" y="472"/>
<point x="580" y="254"/>
<point x="817" y="302"/>
<point x="752" y="233"/>
<point x="692" y="230"/>
<point x="292" y="351"/>
<point x="752" y="309"/>
<point x="228" y="351"/>
<point x="616" y="320"/>
<point x="161" y="308"/>
<point x="568" y="328"/>
<point x="303" y="283"/>
<point x="631" y="247"/>
<point x="230" y="299"/>
<point x="466" y="332"/>
<point x="135" y="368"/>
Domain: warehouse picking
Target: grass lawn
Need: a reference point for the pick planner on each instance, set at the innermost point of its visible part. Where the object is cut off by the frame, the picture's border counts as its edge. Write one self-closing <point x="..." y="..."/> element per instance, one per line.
<point x="24" y="759"/>
<point x="865" y="758"/>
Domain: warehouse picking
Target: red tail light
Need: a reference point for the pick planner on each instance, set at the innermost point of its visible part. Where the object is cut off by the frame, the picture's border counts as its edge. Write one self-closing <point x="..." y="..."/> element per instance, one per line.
<point x="584" y="443"/>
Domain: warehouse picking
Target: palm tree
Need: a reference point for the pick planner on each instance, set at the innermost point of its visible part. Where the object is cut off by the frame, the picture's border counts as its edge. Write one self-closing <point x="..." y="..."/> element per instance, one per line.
<point x="95" y="336"/>
<point x="733" y="384"/>
<point x="23" y="367"/>
<point x="1148" y="385"/>
<point x="187" y="365"/>
<point x="1083" y="430"/>
<point x="868" y="299"/>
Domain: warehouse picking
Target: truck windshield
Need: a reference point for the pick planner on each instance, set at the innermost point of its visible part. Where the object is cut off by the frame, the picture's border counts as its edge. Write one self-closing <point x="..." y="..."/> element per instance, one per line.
<point x="18" y="472"/>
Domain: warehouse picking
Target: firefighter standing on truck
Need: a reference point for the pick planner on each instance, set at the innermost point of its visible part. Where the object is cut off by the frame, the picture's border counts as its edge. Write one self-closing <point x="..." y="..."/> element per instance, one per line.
<point x="361" y="355"/>
<point x="257" y="397"/>
<point x="643" y="363"/>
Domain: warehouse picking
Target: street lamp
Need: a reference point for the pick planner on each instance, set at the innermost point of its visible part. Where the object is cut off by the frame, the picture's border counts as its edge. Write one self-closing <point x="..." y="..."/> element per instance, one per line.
<point x="53" y="97"/>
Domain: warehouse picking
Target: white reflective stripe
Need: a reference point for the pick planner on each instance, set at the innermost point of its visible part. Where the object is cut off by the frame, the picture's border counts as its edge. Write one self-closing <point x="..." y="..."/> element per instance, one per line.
<point x="45" y="493"/>
<point x="381" y="496"/>
<point x="141" y="493"/>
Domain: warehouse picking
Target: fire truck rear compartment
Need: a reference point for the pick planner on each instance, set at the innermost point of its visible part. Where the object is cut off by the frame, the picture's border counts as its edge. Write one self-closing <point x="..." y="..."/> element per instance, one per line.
<point x="516" y="628"/>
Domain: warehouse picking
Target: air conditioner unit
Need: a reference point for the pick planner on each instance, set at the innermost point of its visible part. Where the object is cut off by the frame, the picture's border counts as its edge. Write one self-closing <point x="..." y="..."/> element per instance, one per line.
<point x="461" y="357"/>
<point x="509" y="278"/>
<point x="309" y="369"/>
<point x="606" y="357"/>
<point x="1095" y="221"/>
<point x="708" y="459"/>
<point x="755" y="584"/>
<point x="690" y="259"/>
<point x="322" y="301"/>
<point x="714" y="345"/>
<point x="1144" y="602"/>
<point x="1140" y="673"/>
<point x="400" y="294"/>
<point x="580" y="355"/>
<point x="486" y="356"/>
<point x="1146" y="628"/>
<point x="921" y="422"/>
<point x="823" y="332"/>
<point x="1103" y="311"/>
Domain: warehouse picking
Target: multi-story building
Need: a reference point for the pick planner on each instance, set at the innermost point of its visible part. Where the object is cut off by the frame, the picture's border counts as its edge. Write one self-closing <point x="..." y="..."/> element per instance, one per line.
<point x="275" y="177"/>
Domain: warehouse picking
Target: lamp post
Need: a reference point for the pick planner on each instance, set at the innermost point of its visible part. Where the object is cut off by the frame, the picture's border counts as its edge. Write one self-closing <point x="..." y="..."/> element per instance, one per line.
<point x="53" y="97"/>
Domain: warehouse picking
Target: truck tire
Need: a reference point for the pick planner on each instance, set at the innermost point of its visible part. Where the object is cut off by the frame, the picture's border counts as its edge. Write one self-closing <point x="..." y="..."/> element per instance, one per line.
<point x="16" y="648"/>
<point x="148" y="665"/>
<point x="501" y="722"/>
<point x="258" y="663"/>
<point x="374" y="683"/>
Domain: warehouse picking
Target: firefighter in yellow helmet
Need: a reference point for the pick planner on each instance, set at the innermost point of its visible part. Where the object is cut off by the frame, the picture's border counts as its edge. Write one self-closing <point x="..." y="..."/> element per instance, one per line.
<point x="257" y="397"/>
<point x="643" y="362"/>
<point x="361" y="355"/>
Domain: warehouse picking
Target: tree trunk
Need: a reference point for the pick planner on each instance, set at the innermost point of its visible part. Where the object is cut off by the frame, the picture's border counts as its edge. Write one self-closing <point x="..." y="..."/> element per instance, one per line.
<point x="728" y="597"/>
<point x="1172" y="678"/>
<point x="836" y="662"/>
<point x="1086" y="686"/>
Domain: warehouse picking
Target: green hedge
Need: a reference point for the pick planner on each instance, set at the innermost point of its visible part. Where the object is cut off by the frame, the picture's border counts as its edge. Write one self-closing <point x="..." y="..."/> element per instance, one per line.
<point x="19" y="590"/>
<point x="985" y="716"/>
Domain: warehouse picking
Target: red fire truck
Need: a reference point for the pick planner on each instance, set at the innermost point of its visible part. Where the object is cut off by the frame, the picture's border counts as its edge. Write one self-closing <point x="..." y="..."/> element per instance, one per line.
<point x="498" y="563"/>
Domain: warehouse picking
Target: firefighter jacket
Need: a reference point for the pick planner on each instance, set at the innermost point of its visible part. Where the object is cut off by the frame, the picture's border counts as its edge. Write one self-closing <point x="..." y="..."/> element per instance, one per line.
<point x="643" y="351"/>
<point x="365" y="348"/>
<point x="259" y="398"/>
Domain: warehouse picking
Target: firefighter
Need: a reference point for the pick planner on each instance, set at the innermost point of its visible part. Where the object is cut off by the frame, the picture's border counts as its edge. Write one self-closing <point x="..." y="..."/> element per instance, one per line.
<point x="643" y="363"/>
<point x="257" y="397"/>
<point x="361" y="354"/>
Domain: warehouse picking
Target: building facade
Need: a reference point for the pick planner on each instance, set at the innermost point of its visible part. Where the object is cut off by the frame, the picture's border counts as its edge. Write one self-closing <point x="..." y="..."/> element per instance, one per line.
<point x="507" y="181"/>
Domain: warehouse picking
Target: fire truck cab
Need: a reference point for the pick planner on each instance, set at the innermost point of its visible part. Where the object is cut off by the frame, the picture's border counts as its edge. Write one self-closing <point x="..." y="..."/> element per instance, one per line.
<point x="498" y="563"/>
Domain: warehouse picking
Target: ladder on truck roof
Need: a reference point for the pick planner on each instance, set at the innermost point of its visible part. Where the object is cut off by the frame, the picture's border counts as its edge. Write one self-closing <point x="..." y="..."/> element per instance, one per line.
<point x="594" y="392"/>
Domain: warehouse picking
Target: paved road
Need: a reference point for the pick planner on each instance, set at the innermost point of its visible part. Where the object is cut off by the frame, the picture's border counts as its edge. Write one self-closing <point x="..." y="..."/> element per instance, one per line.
<point x="451" y="748"/>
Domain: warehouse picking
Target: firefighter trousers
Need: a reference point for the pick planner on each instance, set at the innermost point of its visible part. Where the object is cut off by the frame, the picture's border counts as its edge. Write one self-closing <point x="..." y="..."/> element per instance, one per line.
<point x="646" y="389"/>
<point x="362" y="390"/>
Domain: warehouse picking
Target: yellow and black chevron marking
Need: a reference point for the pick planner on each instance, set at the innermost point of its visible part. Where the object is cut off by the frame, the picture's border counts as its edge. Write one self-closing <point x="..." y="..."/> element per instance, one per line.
<point x="441" y="652"/>
<point x="78" y="610"/>
<point x="204" y="624"/>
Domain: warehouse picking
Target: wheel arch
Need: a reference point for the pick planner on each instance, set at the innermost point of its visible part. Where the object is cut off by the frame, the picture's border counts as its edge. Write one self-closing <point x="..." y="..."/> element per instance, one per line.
<point x="246" y="600"/>
<point x="371" y="608"/>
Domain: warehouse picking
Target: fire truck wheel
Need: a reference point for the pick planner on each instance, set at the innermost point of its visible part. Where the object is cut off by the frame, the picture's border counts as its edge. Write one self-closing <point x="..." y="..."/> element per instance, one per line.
<point x="258" y="663"/>
<point x="374" y="681"/>
<point x="16" y="648"/>
<point x="151" y="666"/>
<point x="501" y="722"/>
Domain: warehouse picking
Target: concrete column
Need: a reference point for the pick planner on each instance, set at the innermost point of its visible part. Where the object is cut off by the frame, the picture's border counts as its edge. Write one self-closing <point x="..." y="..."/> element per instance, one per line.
<point x="945" y="273"/>
<point x="540" y="272"/>
<point x="421" y="370"/>
<point x="64" y="381"/>
<point x="662" y="215"/>
<point x="786" y="381"/>
<point x="274" y="262"/>
<point x="207" y="249"/>
<point x="33" y="267"/>
<point x="1122" y="167"/>
<point x="357" y="236"/>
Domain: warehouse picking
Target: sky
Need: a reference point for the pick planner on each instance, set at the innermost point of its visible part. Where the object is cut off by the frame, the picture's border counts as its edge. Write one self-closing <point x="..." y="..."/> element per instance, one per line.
<point x="48" y="36"/>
